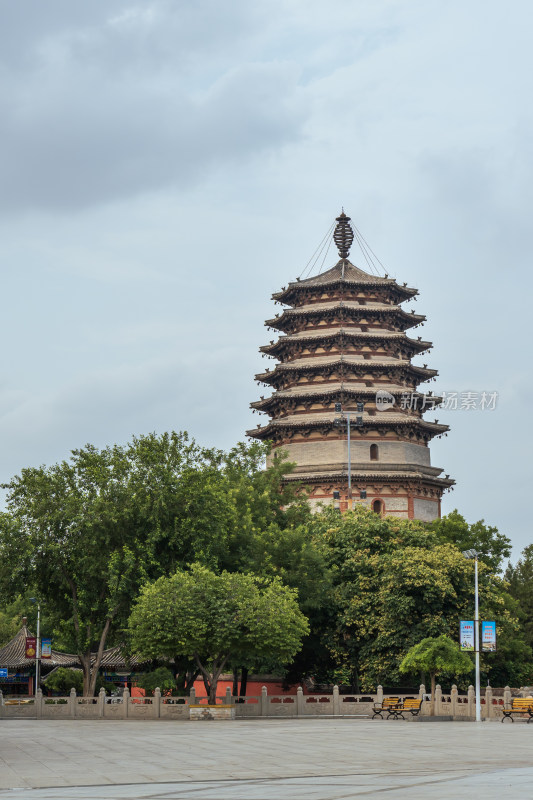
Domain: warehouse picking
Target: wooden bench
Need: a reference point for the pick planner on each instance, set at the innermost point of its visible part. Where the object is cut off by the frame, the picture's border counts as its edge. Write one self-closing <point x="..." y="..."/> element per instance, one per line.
<point x="410" y="705"/>
<point x="519" y="705"/>
<point x="388" y="704"/>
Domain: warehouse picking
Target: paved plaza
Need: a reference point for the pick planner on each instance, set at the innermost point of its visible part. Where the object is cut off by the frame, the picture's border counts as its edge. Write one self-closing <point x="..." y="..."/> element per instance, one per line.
<point x="319" y="759"/>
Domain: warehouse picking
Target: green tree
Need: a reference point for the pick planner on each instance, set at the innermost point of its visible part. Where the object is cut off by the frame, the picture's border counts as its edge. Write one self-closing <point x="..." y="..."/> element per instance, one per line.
<point x="161" y="678"/>
<point x="63" y="679"/>
<point x="396" y="582"/>
<point x="520" y="580"/>
<point x="11" y="616"/>
<point x="436" y="656"/>
<point x="493" y="547"/>
<point x="216" y="618"/>
<point x="88" y="532"/>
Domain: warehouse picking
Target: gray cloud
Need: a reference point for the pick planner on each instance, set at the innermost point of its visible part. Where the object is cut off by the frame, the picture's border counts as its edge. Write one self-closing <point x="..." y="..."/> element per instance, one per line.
<point x="118" y="106"/>
<point x="205" y="148"/>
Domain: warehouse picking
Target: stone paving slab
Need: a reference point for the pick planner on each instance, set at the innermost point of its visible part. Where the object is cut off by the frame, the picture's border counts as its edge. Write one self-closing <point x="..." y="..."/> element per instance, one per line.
<point x="262" y="760"/>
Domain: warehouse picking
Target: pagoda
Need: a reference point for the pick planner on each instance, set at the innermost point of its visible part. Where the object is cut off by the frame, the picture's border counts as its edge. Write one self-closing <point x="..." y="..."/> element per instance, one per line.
<point x="344" y="383"/>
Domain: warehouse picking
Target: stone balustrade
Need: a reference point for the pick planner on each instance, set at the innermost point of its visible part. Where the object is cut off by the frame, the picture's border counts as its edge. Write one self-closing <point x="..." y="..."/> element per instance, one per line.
<point x="455" y="705"/>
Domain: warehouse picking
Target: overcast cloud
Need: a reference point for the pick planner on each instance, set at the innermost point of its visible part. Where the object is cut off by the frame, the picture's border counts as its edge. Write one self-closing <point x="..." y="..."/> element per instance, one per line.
<point x="166" y="166"/>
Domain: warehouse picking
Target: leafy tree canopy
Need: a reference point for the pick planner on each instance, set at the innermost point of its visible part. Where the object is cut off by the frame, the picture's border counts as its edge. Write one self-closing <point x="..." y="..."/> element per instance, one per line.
<point x="520" y="580"/>
<point x="436" y="656"/>
<point x="63" y="679"/>
<point x="88" y="532"/>
<point x="493" y="547"/>
<point x="161" y="678"/>
<point x="214" y="618"/>
<point x="396" y="582"/>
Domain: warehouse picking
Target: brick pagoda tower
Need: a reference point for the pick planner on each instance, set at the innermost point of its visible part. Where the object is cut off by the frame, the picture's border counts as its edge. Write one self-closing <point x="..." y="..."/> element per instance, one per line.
<point x="344" y="381"/>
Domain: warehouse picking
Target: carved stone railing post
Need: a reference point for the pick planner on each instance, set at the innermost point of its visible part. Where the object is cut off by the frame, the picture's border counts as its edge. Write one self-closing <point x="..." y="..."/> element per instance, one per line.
<point x="72" y="703"/>
<point x="192" y="696"/>
<point x="100" y="702"/>
<point x="507" y="697"/>
<point x="453" y="697"/>
<point x="421" y="691"/>
<point x="39" y="703"/>
<point x="438" y="700"/>
<point x="471" y="701"/>
<point x="379" y="694"/>
<point x="300" y="702"/>
<point x="156" y="703"/>
<point x="126" y="703"/>
<point x="264" y="702"/>
<point x="488" y="702"/>
<point x="228" y="699"/>
<point x="336" y="702"/>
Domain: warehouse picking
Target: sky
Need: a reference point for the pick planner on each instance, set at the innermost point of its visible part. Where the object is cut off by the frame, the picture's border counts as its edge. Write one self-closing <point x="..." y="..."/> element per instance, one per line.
<point x="168" y="164"/>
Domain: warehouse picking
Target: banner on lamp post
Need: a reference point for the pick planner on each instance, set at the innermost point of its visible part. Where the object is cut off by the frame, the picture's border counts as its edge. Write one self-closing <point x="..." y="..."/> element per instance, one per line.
<point x="488" y="637"/>
<point x="31" y="646"/>
<point x="466" y="635"/>
<point x="46" y="648"/>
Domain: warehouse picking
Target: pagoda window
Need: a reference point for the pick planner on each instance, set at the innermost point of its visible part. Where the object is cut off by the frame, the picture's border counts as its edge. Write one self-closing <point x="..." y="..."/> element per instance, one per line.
<point x="374" y="453"/>
<point x="377" y="507"/>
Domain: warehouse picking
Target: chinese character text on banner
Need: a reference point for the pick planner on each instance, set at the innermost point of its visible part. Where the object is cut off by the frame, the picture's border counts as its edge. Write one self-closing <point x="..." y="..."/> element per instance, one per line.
<point x="466" y="635"/>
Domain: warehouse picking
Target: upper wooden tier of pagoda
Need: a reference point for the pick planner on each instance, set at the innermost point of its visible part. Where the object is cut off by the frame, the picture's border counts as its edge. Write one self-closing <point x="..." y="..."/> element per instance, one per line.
<point x="282" y="402"/>
<point x="361" y="314"/>
<point x="346" y="279"/>
<point x="336" y="367"/>
<point x="341" y="339"/>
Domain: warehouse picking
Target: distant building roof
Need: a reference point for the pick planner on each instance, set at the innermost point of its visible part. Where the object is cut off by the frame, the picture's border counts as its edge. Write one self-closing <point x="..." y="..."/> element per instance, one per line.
<point x="13" y="654"/>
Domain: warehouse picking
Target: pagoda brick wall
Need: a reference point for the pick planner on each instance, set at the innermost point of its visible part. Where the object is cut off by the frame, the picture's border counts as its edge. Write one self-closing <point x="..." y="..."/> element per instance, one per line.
<point x="426" y="510"/>
<point x="319" y="453"/>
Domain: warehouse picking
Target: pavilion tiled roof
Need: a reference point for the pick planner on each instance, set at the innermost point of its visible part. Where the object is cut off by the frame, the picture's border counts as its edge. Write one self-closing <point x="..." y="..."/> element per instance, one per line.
<point x="113" y="658"/>
<point x="13" y="654"/>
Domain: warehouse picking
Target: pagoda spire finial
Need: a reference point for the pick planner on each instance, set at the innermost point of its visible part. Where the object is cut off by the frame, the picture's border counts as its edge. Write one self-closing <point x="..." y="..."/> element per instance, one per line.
<point x="343" y="235"/>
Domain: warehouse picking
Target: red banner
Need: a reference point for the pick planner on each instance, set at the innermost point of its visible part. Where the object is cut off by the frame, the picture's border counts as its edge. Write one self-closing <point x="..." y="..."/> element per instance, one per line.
<point x="31" y="646"/>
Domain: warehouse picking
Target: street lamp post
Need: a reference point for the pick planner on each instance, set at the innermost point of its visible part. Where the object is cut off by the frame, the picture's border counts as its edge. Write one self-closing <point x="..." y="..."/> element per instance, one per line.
<point x="359" y="422"/>
<point x="474" y="554"/>
<point x="38" y="647"/>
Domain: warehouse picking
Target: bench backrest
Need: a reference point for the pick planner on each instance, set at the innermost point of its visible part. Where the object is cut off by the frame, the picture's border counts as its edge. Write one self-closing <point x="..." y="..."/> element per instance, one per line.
<point x="522" y="703"/>
<point x="390" y="701"/>
<point x="412" y="702"/>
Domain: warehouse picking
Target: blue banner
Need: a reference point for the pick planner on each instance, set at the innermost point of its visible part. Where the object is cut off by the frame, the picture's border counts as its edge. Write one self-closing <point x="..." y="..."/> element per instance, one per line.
<point x="466" y="635"/>
<point x="488" y="637"/>
<point x="46" y="648"/>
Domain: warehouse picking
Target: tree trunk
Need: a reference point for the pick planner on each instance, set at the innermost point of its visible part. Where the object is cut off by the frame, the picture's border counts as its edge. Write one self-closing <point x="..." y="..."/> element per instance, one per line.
<point x="244" y="681"/>
<point x="432" y="705"/>
<point x="85" y="659"/>
<point x="235" y="688"/>
<point x="190" y="677"/>
<point x="97" y="661"/>
<point x="211" y="678"/>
